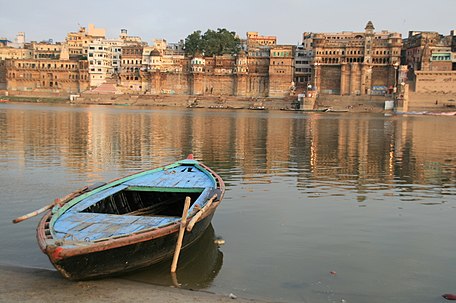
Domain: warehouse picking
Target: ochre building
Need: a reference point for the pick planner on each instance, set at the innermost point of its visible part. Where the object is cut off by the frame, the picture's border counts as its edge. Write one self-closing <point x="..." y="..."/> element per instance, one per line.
<point x="355" y="63"/>
<point x="431" y="61"/>
<point x="53" y="76"/>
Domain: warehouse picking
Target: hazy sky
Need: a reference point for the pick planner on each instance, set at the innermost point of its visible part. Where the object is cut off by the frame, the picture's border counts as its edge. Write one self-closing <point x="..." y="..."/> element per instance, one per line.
<point x="176" y="19"/>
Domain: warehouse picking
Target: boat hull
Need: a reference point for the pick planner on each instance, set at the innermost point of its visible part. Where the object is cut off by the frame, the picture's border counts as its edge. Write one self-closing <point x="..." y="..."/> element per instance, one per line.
<point x="117" y="258"/>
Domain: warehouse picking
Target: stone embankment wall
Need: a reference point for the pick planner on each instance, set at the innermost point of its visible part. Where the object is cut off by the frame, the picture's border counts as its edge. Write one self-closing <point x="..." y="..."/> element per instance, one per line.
<point x="432" y="101"/>
<point x="352" y="103"/>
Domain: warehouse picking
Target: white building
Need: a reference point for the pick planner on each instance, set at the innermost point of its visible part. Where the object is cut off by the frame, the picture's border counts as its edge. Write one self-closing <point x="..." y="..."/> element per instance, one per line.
<point x="104" y="56"/>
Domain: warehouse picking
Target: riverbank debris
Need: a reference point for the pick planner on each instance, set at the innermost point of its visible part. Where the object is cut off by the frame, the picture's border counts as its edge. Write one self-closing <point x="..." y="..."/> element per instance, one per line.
<point x="451" y="297"/>
<point x="219" y="241"/>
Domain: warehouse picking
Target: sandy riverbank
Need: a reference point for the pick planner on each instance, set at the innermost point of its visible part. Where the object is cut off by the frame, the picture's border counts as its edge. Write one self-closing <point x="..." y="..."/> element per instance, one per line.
<point x="40" y="285"/>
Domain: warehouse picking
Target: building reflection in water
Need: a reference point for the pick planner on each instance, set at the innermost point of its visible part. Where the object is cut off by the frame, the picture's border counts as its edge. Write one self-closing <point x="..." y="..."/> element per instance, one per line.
<point x="246" y="145"/>
<point x="307" y="192"/>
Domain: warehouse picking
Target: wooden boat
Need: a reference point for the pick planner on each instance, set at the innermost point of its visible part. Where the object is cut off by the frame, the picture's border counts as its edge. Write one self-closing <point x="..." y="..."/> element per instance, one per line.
<point x="129" y="223"/>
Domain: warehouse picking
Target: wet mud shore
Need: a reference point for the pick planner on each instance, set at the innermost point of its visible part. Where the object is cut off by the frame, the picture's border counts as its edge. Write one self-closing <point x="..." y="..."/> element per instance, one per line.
<point x="41" y="285"/>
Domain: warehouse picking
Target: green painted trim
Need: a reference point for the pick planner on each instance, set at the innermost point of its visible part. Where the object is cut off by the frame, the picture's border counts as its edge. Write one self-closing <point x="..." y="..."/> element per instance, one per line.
<point x="166" y="189"/>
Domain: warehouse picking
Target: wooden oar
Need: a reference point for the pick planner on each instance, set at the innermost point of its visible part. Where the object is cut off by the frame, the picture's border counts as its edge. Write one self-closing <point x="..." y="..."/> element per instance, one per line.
<point x="181" y="234"/>
<point x="43" y="209"/>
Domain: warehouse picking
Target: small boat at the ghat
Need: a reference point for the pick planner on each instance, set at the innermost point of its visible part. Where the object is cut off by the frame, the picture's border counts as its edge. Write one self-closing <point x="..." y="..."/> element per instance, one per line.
<point x="131" y="222"/>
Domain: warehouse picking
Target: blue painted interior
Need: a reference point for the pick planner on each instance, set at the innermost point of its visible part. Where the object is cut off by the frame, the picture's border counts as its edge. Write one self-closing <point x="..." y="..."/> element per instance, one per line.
<point x="75" y="225"/>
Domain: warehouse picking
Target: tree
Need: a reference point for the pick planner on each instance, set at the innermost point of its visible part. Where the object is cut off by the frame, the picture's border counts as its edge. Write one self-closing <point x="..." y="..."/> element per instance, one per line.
<point x="193" y="43"/>
<point x="212" y="43"/>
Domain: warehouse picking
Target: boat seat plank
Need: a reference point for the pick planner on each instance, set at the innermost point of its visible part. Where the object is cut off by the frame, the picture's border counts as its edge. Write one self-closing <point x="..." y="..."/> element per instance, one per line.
<point x="70" y="221"/>
<point x="94" y="226"/>
<point x="81" y="216"/>
<point x="126" y="229"/>
<point x="156" y="221"/>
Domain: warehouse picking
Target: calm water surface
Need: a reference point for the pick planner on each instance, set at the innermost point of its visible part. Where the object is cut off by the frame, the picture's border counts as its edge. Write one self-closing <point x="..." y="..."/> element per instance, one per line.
<point x="320" y="207"/>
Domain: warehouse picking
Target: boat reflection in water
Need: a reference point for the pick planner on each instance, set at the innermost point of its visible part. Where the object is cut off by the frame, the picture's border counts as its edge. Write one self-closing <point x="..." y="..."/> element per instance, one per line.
<point x="197" y="268"/>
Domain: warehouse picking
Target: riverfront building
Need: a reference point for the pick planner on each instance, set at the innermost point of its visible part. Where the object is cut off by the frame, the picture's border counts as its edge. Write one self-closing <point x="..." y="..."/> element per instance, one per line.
<point x="46" y="50"/>
<point x="78" y="42"/>
<point x="342" y="63"/>
<point x="254" y="39"/>
<point x="47" y="76"/>
<point x="431" y="61"/>
<point x="131" y="64"/>
<point x="104" y="60"/>
<point x="354" y="63"/>
<point x="303" y="67"/>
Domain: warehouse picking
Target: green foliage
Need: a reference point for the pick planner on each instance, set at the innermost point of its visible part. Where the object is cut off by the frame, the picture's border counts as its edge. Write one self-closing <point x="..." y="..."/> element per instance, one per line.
<point x="193" y="43"/>
<point x="212" y="43"/>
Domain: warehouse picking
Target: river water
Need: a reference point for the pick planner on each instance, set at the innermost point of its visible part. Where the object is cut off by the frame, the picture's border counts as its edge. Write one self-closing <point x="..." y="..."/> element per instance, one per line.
<point x="320" y="207"/>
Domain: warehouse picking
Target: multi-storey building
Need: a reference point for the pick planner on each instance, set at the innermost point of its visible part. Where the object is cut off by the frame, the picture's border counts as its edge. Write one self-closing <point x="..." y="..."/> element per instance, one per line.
<point x="303" y="68"/>
<point x="116" y="52"/>
<point x="129" y="39"/>
<point x="355" y="63"/>
<point x="46" y="50"/>
<point x="265" y="69"/>
<point x="78" y="42"/>
<point x="431" y="58"/>
<point x="427" y="51"/>
<point x="255" y="40"/>
<point x="254" y="81"/>
<point x="281" y="70"/>
<point x="260" y="72"/>
<point x="160" y="56"/>
<point x="44" y="75"/>
<point x="104" y="60"/>
<point x="164" y="69"/>
<point x="19" y="41"/>
<point x="7" y="52"/>
<point x="175" y="48"/>
<point x="131" y="64"/>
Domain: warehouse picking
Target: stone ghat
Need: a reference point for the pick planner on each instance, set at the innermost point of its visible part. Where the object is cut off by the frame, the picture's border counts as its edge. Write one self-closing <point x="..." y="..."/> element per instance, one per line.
<point x="200" y="101"/>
